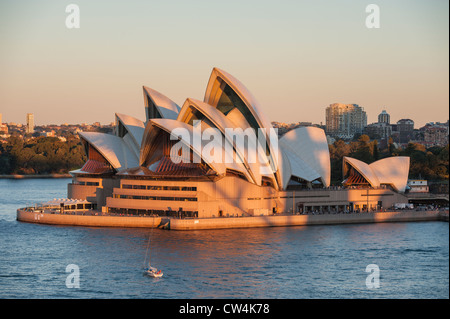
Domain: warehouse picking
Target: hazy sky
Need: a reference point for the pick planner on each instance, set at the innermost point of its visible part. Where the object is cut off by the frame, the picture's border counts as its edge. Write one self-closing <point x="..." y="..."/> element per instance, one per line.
<point x="296" y="57"/>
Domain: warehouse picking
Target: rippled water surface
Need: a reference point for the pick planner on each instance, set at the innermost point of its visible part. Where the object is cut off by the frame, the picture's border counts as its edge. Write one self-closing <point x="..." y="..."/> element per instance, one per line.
<point x="290" y="262"/>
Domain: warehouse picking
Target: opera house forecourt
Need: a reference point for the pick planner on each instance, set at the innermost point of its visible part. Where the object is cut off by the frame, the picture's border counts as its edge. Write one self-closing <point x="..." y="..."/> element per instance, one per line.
<point x="217" y="162"/>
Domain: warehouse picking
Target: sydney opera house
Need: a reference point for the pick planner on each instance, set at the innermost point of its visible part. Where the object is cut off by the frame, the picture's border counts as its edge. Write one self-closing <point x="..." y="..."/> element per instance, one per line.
<point x="220" y="157"/>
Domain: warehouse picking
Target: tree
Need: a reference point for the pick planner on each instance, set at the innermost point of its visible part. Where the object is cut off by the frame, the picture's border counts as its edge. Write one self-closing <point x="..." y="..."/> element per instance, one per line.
<point x="42" y="155"/>
<point x="362" y="149"/>
<point x="391" y="146"/>
<point x="375" y="151"/>
<point x="338" y="150"/>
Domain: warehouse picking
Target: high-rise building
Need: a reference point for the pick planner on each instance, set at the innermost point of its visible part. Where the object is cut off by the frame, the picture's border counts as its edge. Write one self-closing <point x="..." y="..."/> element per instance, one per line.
<point x="345" y="120"/>
<point x="384" y="117"/>
<point x="30" y="123"/>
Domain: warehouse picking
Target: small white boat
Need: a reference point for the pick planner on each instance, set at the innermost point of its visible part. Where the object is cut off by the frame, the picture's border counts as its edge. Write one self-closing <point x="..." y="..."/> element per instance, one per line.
<point x="153" y="272"/>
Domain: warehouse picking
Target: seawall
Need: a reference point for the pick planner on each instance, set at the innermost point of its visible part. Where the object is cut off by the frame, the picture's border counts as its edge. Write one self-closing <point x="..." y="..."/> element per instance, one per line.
<point x="305" y="220"/>
<point x="87" y="220"/>
<point x="228" y="222"/>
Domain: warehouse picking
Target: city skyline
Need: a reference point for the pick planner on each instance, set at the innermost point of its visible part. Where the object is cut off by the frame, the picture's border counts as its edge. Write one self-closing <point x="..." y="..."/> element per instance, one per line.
<point x="304" y="123"/>
<point x="309" y="54"/>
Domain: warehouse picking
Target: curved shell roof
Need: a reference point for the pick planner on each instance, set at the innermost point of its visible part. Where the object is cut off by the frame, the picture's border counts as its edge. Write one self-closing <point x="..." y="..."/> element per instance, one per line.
<point x="307" y="148"/>
<point x="299" y="167"/>
<point x="392" y="170"/>
<point x="284" y="164"/>
<point x="363" y="169"/>
<point x="166" y="107"/>
<point x="134" y="127"/>
<point x="113" y="149"/>
<point x="213" y="93"/>
<point x="174" y="127"/>
<point x="223" y="123"/>
<point x="241" y="90"/>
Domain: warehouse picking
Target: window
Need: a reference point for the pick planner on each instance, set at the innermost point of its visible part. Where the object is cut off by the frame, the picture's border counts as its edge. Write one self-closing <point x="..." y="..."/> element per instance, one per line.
<point x="140" y="197"/>
<point x="122" y="130"/>
<point x="152" y="110"/>
<point x="161" y="188"/>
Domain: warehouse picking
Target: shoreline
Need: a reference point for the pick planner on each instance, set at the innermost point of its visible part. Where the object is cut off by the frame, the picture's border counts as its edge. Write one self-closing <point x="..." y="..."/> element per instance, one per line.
<point x="190" y="224"/>
<point x="24" y="176"/>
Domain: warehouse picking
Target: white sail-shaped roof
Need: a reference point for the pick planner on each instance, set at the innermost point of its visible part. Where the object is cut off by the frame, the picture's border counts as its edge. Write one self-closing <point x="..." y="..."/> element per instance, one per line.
<point x="240" y="89"/>
<point x="227" y="128"/>
<point x="393" y="171"/>
<point x="284" y="165"/>
<point x="307" y="149"/>
<point x="362" y="168"/>
<point x="299" y="167"/>
<point x="135" y="129"/>
<point x="113" y="149"/>
<point x="174" y="127"/>
<point x="218" y="82"/>
<point x="166" y="108"/>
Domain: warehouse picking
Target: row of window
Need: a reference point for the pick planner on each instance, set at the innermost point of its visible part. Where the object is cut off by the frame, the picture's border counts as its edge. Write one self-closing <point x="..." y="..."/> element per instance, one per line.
<point x="160" y="188"/>
<point x="88" y="183"/>
<point x="179" y="199"/>
<point x="152" y="212"/>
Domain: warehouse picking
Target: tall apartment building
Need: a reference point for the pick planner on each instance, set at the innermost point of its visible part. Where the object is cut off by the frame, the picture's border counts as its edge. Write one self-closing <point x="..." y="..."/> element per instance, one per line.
<point x="30" y="123"/>
<point x="345" y="120"/>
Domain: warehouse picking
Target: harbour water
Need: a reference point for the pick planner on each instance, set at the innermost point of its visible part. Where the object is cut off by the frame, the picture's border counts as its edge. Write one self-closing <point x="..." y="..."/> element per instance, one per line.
<point x="281" y="262"/>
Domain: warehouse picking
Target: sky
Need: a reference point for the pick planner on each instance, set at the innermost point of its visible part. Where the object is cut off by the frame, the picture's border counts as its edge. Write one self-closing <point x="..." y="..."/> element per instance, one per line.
<point x="296" y="57"/>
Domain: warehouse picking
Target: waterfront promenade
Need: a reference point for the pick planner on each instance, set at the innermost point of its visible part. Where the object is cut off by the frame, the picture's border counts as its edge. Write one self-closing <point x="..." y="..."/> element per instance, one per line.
<point x="98" y="220"/>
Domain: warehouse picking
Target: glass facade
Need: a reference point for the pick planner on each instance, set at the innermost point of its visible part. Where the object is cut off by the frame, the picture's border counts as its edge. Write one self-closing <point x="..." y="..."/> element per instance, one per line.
<point x="143" y="197"/>
<point x="87" y="183"/>
<point x="151" y="212"/>
<point x="160" y="188"/>
<point x="122" y="129"/>
<point x="152" y="110"/>
<point x="230" y="100"/>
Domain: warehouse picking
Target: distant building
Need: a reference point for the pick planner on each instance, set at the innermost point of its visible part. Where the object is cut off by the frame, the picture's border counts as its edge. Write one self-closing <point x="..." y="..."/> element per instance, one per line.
<point x="1" y="118"/>
<point x="345" y="120"/>
<point x="378" y="131"/>
<point x="405" y="128"/>
<point x="47" y="134"/>
<point x="435" y="134"/>
<point x="418" y="186"/>
<point x="3" y="129"/>
<point x="30" y="123"/>
<point x="384" y="117"/>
